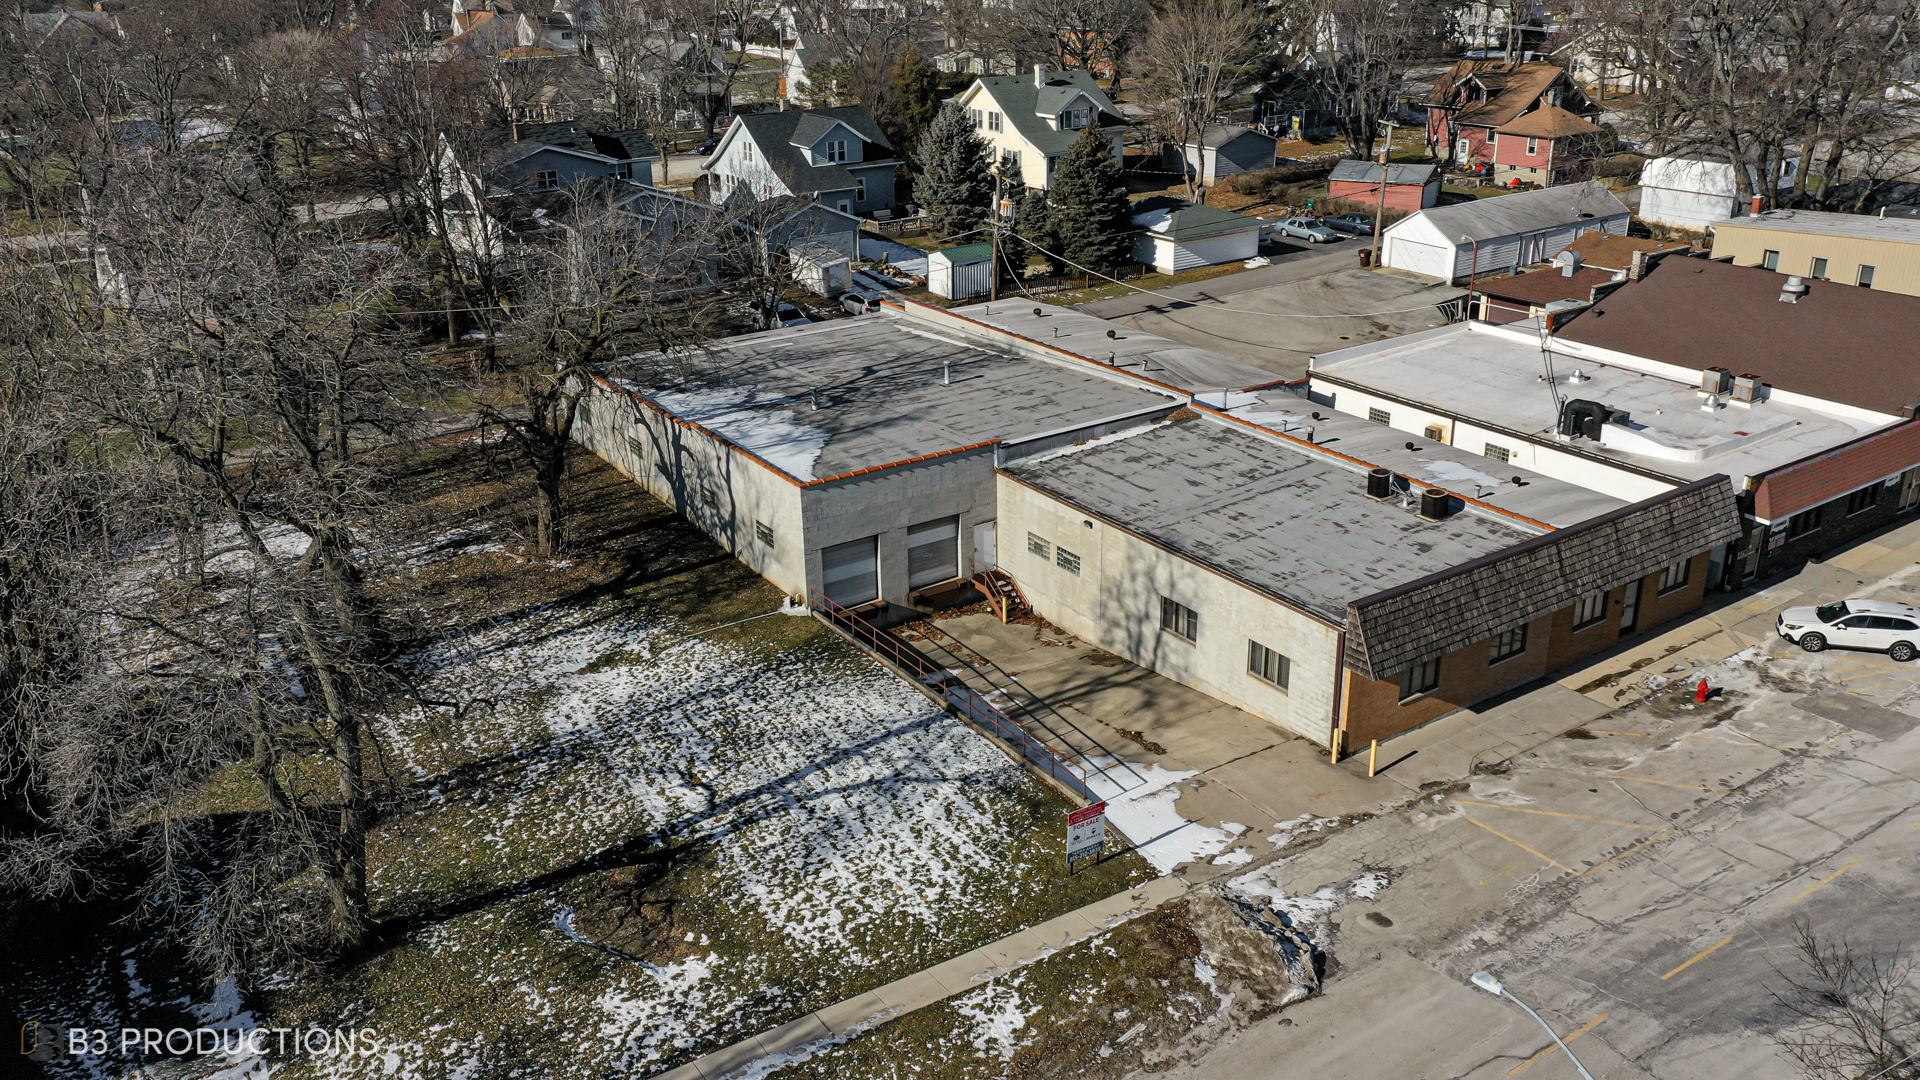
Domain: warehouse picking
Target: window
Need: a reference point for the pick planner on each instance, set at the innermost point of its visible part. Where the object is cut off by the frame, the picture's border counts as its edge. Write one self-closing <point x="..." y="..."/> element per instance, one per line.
<point x="1067" y="561"/>
<point x="1589" y="610"/>
<point x="1863" y="500"/>
<point x="1804" y="522"/>
<point x="933" y="552"/>
<point x="1533" y="147"/>
<point x="1462" y="151"/>
<point x="763" y="532"/>
<point x="1010" y="159"/>
<point x="1819" y="269"/>
<point x="1499" y="453"/>
<point x="566" y="35"/>
<point x="1770" y="260"/>
<point x="836" y="150"/>
<point x="746" y="150"/>
<point x="1508" y="643"/>
<point x="546" y="180"/>
<point x="1074" y="119"/>
<point x="993" y="121"/>
<point x="1039" y="547"/>
<point x="860" y="189"/>
<point x="1865" y="280"/>
<point x="849" y="573"/>
<point x="1268" y="666"/>
<point x="1674" y="575"/>
<point x="1435" y="433"/>
<point x="1421" y="678"/>
<point x="1179" y="620"/>
<point x="623" y="171"/>
<point x="1380" y="416"/>
<point x="978" y="117"/>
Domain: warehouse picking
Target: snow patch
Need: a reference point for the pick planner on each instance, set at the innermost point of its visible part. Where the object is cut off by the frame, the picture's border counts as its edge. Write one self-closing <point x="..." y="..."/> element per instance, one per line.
<point x="1456" y="472"/>
<point x="760" y="423"/>
<point x="997" y="1014"/>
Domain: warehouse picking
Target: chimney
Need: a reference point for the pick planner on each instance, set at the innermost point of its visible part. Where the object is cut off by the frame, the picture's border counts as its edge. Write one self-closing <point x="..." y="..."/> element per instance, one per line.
<point x="1435" y="504"/>
<point x="1039" y="75"/>
<point x="1637" y="269"/>
<point x="1379" y="483"/>
<point x="1758" y="200"/>
<point x="1793" y="290"/>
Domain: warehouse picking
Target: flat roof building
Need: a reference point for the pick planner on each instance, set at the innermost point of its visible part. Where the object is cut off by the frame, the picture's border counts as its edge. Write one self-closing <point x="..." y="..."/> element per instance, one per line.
<point x="1855" y="249"/>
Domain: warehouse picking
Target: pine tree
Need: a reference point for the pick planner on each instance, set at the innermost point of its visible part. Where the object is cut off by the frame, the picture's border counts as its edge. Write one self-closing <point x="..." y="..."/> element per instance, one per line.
<point x="1033" y="227"/>
<point x="956" y="175"/>
<point x="1092" y="216"/>
<point x="916" y="88"/>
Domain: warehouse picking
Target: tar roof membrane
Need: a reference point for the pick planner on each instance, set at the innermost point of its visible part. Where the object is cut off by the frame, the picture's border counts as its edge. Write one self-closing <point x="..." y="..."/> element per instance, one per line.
<point x="1282" y="518"/>
<point x="1134" y="351"/>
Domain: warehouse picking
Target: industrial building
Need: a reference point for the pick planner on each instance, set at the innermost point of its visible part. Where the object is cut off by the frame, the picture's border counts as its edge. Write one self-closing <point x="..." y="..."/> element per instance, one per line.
<point x="1854" y="249"/>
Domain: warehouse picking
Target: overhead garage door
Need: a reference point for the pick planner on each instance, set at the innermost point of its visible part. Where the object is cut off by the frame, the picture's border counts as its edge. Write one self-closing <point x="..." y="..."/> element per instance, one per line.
<point x="1419" y="258"/>
<point x="1214" y="250"/>
<point x="933" y="552"/>
<point x="850" y="573"/>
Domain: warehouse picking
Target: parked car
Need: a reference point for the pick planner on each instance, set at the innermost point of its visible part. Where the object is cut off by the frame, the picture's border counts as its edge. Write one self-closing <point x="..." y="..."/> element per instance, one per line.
<point x="1308" y="229"/>
<point x="859" y="302"/>
<point x="790" y="315"/>
<point x="1357" y="224"/>
<point x="1880" y="625"/>
<point x="708" y="146"/>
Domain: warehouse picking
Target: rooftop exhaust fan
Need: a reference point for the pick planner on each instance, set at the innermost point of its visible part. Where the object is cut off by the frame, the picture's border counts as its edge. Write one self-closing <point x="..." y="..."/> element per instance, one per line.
<point x="1583" y="418"/>
<point x="1793" y="290"/>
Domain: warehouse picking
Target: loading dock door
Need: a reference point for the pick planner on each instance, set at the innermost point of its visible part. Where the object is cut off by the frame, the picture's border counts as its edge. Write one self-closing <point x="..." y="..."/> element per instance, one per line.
<point x="933" y="552"/>
<point x="986" y="545"/>
<point x="850" y="573"/>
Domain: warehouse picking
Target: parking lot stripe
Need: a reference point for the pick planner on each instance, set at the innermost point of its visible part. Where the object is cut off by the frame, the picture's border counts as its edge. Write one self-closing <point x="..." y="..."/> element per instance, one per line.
<point x="1809" y="889"/>
<point x="1552" y="813"/>
<point x="1666" y="783"/>
<point x="1656" y="837"/>
<point x="1591" y="1024"/>
<point x="1635" y="734"/>
<point x="1522" y="847"/>
<point x="1697" y="957"/>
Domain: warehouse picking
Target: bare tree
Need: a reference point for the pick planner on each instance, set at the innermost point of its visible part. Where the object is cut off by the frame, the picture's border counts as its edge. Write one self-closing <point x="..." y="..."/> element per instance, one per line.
<point x="1851" y="1012"/>
<point x="1084" y="35"/>
<point x="1196" y="55"/>
<point x="1357" y="51"/>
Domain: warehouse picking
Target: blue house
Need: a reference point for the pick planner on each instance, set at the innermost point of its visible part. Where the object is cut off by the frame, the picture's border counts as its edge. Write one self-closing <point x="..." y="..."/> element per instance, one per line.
<point x="549" y="157"/>
<point x="836" y="157"/>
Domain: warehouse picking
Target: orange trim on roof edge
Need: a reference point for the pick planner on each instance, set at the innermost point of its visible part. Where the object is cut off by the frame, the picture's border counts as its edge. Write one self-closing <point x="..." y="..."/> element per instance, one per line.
<point x="1074" y="356"/>
<point x="897" y="464"/>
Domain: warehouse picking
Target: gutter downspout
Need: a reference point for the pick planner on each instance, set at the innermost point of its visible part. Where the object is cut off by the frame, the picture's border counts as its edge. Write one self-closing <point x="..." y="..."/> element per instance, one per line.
<point x="1336" y="741"/>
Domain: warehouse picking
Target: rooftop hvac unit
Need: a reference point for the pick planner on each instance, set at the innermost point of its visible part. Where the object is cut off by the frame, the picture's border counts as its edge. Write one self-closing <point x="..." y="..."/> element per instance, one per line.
<point x="1714" y="380"/>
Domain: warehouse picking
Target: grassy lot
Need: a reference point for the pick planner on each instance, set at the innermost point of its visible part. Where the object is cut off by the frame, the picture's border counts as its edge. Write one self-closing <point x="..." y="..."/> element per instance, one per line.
<point x="1150" y="281"/>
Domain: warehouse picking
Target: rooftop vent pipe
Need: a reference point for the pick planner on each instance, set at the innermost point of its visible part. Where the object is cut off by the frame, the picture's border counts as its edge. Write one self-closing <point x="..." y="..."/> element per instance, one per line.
<point x="1435" y="504"/>
<point x="1793" y="290"/>
<point x="946" y="373"/>
<point x="1380" y="484"/>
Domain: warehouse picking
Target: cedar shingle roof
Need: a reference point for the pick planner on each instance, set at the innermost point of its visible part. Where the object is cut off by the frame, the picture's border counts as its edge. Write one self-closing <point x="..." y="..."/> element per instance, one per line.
<point x="1548" y="122"/>
<point x="1515" y="88"/>
<point x="1393" y="629"/>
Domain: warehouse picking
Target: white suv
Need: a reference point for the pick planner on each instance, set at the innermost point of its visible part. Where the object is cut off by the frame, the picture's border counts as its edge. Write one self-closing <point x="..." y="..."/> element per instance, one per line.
<point x="1881" y="625"/>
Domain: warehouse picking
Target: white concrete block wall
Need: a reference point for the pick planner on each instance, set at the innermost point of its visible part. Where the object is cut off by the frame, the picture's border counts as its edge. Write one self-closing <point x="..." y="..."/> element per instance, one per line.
<point x="887" y="503"/>
<point x="1114" y="603"/>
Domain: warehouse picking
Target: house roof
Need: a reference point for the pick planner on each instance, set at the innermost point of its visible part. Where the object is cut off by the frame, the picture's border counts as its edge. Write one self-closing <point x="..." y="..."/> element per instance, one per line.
<point x="528" y="52"/>
<point x="1512" y="89"/>
<point x="569" y="135"/>
<point x="1548" y="122"/>
<point x="1544" y="287"/>
<point x="1368" y="172"/>
<point x="777" y="133"/>
<point x="1605" y="251"/>
<point x="1176" y="219"/>
<point x="1218" y="135"/>
<point x="1839" y="343"/>
<point x="1029" y="107"/>
<point x="1521" y="212"/>
<point x="1897" y="229"/>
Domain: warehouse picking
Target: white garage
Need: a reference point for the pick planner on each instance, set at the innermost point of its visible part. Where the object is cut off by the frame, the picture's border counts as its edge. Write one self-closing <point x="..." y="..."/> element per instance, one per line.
<point x="1176" y="235"/>
<point x="1501" y="232"/>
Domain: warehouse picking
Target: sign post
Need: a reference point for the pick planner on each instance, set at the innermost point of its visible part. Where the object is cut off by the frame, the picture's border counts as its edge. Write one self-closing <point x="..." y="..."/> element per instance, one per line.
<point x="1086" y="833"/>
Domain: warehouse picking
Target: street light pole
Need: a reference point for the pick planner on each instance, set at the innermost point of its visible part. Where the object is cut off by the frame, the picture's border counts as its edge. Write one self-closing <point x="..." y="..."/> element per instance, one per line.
<point x="1485" y="981"/>
<point x="1473" y="271"/>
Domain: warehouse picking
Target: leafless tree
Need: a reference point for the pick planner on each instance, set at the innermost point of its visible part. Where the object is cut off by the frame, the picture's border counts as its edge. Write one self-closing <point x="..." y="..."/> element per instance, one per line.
<point x="1083" y="35"/>
<point x="1851" y="1012"/>
<point x="857" y="45"/>
<point x="1358" y="52"/>
<point x="1196" y="55"/>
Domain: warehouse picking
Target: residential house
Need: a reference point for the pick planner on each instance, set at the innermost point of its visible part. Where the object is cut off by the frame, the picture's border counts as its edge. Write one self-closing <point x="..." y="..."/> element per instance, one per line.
<point x="1454" y="243"/>
<point x="1871" y="252"/>
<point x="1176" y="235"/>
<point x="1546" y="147"/>
<point x="69" y="28"/>
<point x="1409" y="187"/>
<point x="1030" y="121"/>
<point x="1692" y="195"/>
<point x="1221" y="151"/>
<point x="1478" y="98"/>
<point x="837" y="157"/>
<point x="548" y="157"/>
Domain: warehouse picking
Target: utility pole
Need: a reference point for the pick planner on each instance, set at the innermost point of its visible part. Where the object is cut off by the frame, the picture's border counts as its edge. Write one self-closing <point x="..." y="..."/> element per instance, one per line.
<point x="993" y="276"/>
<point x="1380" y="215"/>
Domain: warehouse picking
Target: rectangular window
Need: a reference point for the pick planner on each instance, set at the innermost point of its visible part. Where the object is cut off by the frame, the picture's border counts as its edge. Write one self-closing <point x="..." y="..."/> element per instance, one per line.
<point x="1533" y="147"/>
<point x="1865" y="280"/>
<point x="1499" y="453"/>
<point x="1380" y="416"/>
<point x="1073" y="119"/>
<point x="1421" y="678"/>
<point x="1435" y="433"/>
<point x="1179" y="620"/>
<point x="623" y="171"/>
<point x="1010" y="159"/>
<point x="850" y="572"/>
<point x="993" y="121"/>
<point x="1863" y="500"/>
<point x="1589" y="610"/>
<point x="1770" y="260"/>
<point x="1508" y="643"/>
<point x="763" y="532"/>
<point x="546" y="179"/>
<point x="1804" y="522"/>
<point x="1039" y="547"/>
<point x="1819" y="269"/>
<point x="1067" y="561"/>
<point x="1268" y="666"/>
<point x="1674" y="575"/>
<point x="836" y="150"/>
<point x="933" y="552"/>
<point x="978" y="117"/>
<point x="746" y="150"/>
<point x="860" y="188"/>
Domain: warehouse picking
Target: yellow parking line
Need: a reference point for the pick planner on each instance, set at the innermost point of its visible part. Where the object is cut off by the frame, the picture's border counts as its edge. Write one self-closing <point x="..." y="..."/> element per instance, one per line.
<point x="1833" y="740"/>
<point x="1655" y="838"/>
<point x="1552" y="813"/>
<point x="1809" y="889"/>
<point x="1522" y="1067"/>
<point x="1667" y="783"/>
<point x="1522" y="847"/>
<point x="1635" y="734"/>
<point x="1697" y="957"/>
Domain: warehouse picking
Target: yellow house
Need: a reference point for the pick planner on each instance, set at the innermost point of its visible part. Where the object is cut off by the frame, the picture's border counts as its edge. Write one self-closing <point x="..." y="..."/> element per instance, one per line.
<point x="1853" y="249"/>
<point x="1031" y="121"/>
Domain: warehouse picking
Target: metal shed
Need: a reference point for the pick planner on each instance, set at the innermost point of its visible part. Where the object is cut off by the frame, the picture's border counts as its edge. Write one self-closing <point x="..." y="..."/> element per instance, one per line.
<point x="960" y="272"/>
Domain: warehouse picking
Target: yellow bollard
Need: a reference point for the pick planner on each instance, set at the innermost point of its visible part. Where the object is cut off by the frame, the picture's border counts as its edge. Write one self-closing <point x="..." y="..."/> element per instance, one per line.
<point x="1373" y="757"/>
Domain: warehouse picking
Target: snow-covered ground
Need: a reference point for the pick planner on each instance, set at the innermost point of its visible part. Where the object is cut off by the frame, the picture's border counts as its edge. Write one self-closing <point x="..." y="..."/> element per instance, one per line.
<point x="907" y="260"/>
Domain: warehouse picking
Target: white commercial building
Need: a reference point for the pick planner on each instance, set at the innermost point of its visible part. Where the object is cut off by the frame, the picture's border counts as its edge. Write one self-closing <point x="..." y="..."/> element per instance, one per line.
<point x="1494" y="234"/>
<point x="1682" y="193"/>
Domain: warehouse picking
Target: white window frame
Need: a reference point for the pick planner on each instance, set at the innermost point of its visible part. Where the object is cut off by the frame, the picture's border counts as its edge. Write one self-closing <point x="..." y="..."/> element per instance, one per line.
<point x="1533" y="147"/>
<point x="994" y="122"/>
<point x="836" y="151"/>
<point x="1270" y="666"/>
<point x="860" y="189"/>
<point x="1179" y="620"/>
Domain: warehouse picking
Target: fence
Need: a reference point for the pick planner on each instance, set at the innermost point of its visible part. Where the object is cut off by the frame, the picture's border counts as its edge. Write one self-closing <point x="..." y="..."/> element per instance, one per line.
<point x="968" y="702"/>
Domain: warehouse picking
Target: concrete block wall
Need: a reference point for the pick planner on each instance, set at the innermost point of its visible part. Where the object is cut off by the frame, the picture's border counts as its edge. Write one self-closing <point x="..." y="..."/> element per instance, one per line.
<point x="887" y="502"/>
<point x="1114" y="603"/>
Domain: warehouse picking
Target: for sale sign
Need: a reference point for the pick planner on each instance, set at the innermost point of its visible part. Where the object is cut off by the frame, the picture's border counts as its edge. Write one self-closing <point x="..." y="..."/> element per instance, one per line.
<point x="1086" y="831"/>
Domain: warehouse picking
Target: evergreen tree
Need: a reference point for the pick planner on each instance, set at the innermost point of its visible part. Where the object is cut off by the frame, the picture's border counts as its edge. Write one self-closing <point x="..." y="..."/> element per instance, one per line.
<point x="1091" y="215"/>
<point x="1033" y="228"/>
<point x="916" y="89"/>
<point x="956" y="175"/>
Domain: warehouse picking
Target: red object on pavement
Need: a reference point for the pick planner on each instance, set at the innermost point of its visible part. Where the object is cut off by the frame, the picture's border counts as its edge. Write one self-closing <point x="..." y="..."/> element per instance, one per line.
<point x="1701" y="693"/>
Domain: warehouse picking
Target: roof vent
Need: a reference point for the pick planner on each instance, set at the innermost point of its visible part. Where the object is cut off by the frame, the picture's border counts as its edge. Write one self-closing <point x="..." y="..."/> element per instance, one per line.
<point x="1714" y="380"/>
<point x="1586" y="418"/>
<point x="1793" y="290"/>
<point x="1569" y="263"/>
<point x="1435" y="504"/>
<point x="1746" y="389"/>
<point x="1379" y="484"/>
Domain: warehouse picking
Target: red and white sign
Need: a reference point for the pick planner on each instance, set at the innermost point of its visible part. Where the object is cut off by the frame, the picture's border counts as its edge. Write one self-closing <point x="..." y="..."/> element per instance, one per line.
<point x="1086" y="830"/>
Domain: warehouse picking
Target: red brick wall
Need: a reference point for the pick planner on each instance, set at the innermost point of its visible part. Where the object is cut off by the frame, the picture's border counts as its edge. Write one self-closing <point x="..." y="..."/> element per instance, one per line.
<point x="1405" y="198"/>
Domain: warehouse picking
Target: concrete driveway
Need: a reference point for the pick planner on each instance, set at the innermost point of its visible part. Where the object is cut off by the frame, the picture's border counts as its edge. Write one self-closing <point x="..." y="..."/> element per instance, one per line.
<point x="1277" y="317"/>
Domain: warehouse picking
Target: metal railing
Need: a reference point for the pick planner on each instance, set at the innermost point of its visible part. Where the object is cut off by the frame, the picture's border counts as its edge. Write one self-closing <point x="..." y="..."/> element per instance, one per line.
<point x="969" y="703"/>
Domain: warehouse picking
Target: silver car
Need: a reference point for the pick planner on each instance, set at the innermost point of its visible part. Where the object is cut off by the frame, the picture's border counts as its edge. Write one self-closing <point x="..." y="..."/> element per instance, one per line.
<point x="1305" y="228"/>
<point x="1880" y="625"/>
